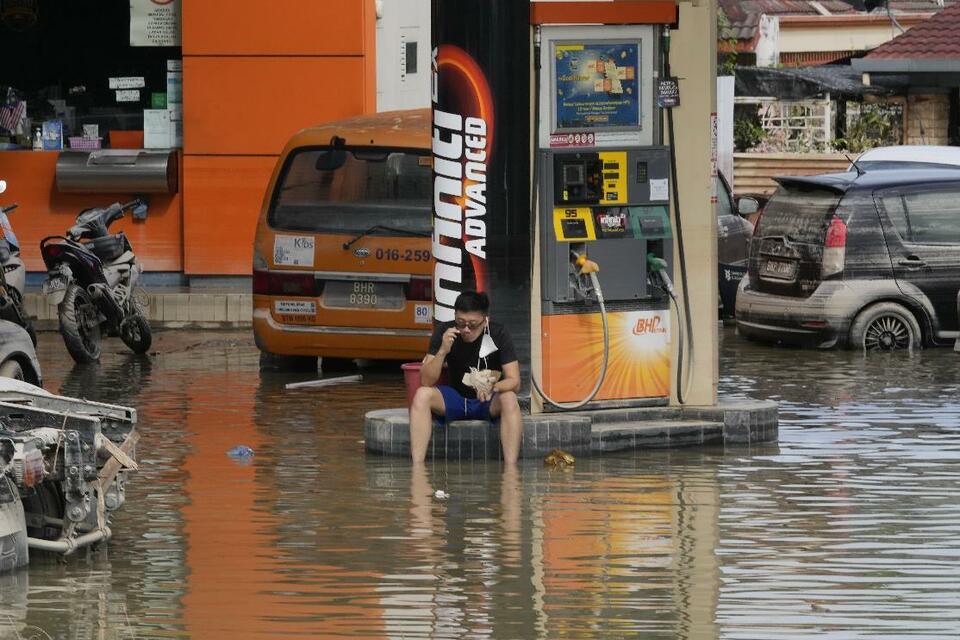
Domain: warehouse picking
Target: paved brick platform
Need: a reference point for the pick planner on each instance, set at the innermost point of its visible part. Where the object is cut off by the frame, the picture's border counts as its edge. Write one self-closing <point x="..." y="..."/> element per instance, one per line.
<point x="169" y="309"/>
<point x="732" y="422"/>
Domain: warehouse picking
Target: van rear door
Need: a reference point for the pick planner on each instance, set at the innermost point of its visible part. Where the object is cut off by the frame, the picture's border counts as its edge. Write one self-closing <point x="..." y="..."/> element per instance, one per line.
<point x="786" y="252"/>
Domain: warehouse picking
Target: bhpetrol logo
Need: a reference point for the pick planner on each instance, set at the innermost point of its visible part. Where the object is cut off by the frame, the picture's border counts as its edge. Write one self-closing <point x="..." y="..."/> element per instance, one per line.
<point x="649" y="326"/>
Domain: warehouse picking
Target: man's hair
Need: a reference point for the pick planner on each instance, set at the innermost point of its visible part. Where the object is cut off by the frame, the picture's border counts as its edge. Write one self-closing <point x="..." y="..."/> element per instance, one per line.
<point x="472" y="301"/>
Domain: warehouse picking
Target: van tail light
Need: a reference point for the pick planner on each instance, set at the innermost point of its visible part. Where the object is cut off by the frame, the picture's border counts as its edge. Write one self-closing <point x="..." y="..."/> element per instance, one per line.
<point x="420" y="288"/>
<point x="834" y="247"/>
<point x="279" y="283"/>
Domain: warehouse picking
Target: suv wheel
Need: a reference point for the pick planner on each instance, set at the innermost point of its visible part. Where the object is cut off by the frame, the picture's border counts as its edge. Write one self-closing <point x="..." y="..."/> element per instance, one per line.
<point x="885" y="326"/>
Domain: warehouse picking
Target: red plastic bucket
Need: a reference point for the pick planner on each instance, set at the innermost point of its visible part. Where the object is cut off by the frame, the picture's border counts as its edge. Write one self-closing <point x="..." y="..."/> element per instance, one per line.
<point x="411" y="376"/>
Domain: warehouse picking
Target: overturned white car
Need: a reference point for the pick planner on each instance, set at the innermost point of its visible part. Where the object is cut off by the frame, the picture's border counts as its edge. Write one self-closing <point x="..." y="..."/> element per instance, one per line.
<point x="64" y="463"/>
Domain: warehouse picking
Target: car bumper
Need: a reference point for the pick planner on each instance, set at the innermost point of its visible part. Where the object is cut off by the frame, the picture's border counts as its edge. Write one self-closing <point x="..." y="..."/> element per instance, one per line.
<point x="822" y="320"/>
<point x="376" y="343"/>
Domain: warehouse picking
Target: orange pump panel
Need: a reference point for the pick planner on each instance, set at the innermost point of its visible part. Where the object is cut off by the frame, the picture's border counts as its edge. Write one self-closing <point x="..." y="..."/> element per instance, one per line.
<point x="617" y="12"/>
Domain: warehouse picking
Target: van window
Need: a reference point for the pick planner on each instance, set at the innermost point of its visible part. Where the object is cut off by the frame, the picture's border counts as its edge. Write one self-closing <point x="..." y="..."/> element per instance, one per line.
<point x="799" y="214"/>
<point x="928" y="217"/>
<point x="350" y="190"/>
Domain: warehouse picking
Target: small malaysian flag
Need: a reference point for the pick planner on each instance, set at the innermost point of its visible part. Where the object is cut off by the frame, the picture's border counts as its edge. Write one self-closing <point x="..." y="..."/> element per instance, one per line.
<point x="12" y="111"/>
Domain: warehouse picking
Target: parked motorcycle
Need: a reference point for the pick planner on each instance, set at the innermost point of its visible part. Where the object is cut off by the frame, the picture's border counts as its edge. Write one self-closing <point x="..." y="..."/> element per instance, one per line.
<point x="92" y="277"/>
<point x="13" y="275"/>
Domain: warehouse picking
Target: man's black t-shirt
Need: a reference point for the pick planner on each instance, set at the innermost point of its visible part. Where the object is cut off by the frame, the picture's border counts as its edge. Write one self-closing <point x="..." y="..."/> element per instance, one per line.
<point x="464" y="355"/>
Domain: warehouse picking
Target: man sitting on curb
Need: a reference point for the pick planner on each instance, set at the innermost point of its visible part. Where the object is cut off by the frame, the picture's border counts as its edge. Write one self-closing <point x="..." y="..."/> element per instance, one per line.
<point x="484" y="377"/>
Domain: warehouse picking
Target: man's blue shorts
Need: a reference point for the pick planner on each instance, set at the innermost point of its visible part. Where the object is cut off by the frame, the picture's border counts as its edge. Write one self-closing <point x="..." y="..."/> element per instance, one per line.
<point x="460" y="408"/>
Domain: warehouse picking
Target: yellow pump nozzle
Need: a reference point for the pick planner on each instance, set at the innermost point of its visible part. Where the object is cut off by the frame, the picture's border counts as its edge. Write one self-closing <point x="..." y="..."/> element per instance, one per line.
<point x="586" y="266"/>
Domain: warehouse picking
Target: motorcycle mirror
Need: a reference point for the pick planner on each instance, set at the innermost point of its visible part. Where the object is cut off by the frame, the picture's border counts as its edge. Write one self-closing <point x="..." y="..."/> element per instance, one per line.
<point x="140" y="211"/>
<point x="3" y="186"/>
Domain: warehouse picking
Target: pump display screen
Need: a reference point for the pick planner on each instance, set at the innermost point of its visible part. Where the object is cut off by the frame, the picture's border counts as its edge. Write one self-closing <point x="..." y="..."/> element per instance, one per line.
<point x="597" y="85"/>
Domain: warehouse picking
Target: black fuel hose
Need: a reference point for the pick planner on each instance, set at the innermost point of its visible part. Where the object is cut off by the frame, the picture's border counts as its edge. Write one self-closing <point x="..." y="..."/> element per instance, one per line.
<point x="681" y="379"/>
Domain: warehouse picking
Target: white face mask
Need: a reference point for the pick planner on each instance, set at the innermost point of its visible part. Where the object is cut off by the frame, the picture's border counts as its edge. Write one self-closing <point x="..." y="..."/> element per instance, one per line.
<point x="487" y="345"/>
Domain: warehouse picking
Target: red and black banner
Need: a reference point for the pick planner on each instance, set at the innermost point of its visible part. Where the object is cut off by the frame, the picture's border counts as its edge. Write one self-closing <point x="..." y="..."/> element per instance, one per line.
<point x="481" y="138"/>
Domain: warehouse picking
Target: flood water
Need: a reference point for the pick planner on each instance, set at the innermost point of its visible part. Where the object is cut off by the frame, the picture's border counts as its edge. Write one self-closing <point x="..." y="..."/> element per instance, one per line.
<point x="848" y="528"/>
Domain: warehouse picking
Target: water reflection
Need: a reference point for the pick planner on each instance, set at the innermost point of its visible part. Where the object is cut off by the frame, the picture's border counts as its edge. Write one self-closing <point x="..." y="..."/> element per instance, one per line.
<point x="847" y="529"/>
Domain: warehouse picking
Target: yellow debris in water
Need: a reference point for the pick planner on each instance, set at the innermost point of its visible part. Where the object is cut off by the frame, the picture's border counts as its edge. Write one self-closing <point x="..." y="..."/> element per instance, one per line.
<point x="559" y="458"/>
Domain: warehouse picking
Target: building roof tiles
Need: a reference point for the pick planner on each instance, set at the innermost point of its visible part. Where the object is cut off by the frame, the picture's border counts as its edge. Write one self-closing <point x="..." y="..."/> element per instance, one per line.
<point x="935" y="39"/>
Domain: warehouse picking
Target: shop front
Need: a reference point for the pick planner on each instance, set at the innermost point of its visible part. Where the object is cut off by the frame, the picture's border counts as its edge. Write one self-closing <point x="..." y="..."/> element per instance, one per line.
<point x="188" y="105"/>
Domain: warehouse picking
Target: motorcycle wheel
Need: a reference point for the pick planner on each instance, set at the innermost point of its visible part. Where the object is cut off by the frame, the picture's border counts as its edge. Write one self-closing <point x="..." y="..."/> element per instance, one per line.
<point x="79" y="325"/>
<point x="135" y="332"/>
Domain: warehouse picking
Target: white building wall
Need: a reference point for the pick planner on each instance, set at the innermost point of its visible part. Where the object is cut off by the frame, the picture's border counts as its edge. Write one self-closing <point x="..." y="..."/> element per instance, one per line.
<point x="403" y="79"/>
<point x="768" y="45"/>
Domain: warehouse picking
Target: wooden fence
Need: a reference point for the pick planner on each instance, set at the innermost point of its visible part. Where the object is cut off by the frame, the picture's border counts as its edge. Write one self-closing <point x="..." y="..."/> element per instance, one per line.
<point x="753" y="172"/>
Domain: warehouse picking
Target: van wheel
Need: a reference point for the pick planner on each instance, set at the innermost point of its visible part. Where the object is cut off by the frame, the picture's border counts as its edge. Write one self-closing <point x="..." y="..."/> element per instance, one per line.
<point x="886" y="326"/>
<point x="277" y="362"/>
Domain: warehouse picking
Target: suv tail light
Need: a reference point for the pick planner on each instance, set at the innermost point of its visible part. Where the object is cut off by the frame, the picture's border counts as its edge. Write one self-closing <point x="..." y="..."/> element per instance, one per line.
<point x="279" y="283"/>
<point x="834" y="247"/>
<point x="420" y="288"/>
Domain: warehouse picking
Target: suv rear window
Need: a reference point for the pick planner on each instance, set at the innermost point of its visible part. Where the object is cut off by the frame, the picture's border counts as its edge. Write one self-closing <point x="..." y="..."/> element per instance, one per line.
<point x="349" y="190"/>
<point x="799" y="214"/>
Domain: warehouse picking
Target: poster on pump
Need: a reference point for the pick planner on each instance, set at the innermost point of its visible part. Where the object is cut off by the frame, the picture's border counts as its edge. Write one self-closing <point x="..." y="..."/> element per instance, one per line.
<point x="481" y="131"/>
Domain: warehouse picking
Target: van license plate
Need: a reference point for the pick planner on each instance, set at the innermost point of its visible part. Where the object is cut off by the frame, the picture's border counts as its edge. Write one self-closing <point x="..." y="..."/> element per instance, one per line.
<point x="779" y="269"/>
<point x="362" y="294"/>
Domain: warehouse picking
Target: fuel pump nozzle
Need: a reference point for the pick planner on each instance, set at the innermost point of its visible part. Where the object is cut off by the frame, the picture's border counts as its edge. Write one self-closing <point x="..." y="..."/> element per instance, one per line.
<point x="657" y="268"/>
<point x="585" y="269"/>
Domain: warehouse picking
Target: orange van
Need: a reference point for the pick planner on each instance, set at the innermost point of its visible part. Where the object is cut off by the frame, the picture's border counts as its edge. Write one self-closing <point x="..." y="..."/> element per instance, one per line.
<point x="342" y="264"/>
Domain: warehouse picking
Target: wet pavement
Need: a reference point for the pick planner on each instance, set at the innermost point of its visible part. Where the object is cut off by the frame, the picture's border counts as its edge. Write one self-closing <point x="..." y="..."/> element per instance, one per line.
<point x="849" y="528"/>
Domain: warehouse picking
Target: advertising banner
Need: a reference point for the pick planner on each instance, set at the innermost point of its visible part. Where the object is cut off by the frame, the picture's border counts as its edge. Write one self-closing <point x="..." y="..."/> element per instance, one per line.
<point x="639" y="346"/>
<point x="597" y="85"/>
<point x="481" y="138"/>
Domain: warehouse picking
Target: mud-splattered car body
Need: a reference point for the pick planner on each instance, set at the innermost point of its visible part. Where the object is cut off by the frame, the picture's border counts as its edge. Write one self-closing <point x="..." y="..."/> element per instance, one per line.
<point x="865" y="260"/>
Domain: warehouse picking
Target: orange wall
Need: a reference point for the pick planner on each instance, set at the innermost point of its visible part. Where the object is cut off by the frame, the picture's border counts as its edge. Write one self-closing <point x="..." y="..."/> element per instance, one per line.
<point x="30" y="177"/>
<point x="254" y="75"/>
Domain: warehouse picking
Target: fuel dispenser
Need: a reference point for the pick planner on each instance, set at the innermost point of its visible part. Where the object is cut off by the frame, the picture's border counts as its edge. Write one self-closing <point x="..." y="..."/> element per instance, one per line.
<point x="602" y="206"/>
<point x="560" y="211"/>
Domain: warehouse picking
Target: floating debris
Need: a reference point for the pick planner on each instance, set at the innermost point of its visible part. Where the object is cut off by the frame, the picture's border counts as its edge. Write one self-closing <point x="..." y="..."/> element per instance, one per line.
<point x="324" y="382"/>
<point x="559" y="458"/>
<point x="240" y="451"/>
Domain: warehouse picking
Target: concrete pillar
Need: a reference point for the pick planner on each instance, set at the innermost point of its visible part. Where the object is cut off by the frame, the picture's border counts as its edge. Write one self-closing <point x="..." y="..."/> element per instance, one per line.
<point x="693" y="57"/>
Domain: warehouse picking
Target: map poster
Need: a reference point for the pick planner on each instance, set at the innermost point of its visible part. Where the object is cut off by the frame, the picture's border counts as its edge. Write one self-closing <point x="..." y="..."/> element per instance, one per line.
<point x="597" y="85"/>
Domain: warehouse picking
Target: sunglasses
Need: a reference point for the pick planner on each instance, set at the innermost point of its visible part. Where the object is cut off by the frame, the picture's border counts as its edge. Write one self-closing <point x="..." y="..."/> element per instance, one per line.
<point x="463" y="324"/>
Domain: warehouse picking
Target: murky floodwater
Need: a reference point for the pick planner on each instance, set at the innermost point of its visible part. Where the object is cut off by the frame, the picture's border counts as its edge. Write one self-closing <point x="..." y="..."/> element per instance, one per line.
<point x="849" y="528"/>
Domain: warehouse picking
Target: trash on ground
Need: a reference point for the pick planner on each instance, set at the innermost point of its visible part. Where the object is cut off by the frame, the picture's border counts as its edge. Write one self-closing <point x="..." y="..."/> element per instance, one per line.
<point x="324" y="382"/>
<point x="440" y="494"/>
<point x="240" y="451"/>
<point x="559" y="458"/>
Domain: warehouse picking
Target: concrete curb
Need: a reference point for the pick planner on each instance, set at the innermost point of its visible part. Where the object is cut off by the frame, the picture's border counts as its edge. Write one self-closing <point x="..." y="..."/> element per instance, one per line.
<point x="176" y="310"/>
<point x="732" y="422"/>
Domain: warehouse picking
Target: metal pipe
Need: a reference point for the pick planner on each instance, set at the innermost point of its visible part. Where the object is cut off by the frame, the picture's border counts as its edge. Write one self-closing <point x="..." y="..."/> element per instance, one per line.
<point x="66" y="546"/>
